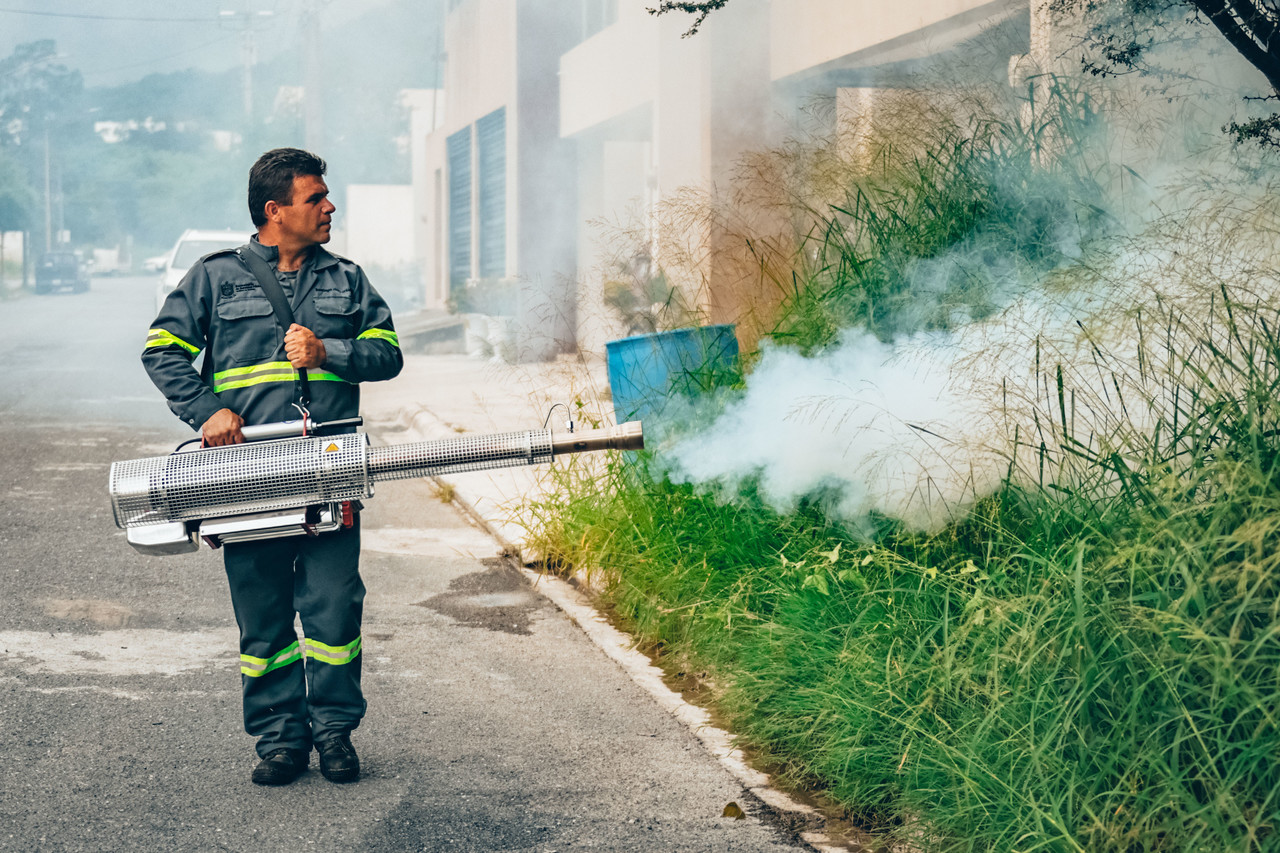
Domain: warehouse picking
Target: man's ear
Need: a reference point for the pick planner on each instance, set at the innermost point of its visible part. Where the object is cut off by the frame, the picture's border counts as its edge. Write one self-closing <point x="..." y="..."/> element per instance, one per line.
<point x="272" y="210"/>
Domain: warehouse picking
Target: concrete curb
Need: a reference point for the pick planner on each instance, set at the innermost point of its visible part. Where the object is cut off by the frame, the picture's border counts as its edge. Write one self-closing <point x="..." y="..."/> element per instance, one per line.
<point x="420" y="424"/>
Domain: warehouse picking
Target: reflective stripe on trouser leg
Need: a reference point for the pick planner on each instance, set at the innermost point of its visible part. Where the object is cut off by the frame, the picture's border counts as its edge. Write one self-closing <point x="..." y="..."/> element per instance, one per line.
<point x="258" y="667"/>
<point x="329" y="595"/>
<point x="261" y="577"/>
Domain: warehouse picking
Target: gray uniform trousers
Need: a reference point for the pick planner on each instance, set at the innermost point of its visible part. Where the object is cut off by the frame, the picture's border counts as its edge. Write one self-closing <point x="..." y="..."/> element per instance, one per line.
<point x="318" y="578"/>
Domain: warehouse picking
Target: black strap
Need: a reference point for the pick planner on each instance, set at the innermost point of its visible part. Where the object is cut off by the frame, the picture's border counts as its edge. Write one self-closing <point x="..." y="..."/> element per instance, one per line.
<point x="275" y="295"/>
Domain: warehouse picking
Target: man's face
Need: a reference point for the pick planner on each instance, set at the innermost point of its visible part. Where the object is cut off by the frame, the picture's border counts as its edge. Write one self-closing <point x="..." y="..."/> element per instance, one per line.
<point x="309" y="218"/>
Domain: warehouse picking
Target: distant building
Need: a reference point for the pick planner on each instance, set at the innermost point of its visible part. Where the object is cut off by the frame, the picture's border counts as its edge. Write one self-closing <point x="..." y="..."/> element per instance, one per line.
<point x="119" y="131"/>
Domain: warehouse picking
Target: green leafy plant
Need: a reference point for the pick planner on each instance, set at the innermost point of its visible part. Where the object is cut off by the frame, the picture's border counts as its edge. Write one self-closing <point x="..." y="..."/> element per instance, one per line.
<point x="643" y="299"/>
<point x="492" y="296"/>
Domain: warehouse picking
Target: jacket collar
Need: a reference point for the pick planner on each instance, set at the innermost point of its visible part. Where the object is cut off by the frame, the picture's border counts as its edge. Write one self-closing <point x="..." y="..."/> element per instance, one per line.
<point x="270" y="254"/>
<point x="318" y="258"/>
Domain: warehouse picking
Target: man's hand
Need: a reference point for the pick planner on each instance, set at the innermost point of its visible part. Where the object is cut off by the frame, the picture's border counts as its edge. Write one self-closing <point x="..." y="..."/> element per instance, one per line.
<point x="223" y="427"/>
<point x="303" y="348"/>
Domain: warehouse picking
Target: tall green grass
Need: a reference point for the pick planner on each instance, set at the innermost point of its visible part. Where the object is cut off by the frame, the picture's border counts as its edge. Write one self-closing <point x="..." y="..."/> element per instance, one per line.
<point x="1090" y="660"/>
<point x="1086" y="668"/>
<point x="942" y="229"/>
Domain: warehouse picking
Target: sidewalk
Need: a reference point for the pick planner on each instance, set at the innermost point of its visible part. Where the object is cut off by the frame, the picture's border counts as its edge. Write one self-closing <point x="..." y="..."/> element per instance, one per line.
<point x="445" y="396"/>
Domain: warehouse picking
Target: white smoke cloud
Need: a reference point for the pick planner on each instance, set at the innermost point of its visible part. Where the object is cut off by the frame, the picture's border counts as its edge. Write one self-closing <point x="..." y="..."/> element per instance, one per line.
<point x="881" y="428"/>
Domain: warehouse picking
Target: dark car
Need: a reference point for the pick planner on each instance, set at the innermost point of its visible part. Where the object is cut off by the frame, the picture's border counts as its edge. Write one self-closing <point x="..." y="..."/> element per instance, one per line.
<point x="58" y="270"/>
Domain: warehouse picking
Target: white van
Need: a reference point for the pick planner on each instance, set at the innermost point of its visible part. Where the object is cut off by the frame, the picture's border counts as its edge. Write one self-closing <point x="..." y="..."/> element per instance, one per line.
<point x="191" y="247"/>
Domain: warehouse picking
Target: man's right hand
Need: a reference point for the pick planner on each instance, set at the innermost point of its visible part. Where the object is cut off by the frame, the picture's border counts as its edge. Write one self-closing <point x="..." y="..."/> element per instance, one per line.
<point x="223" y="427"/>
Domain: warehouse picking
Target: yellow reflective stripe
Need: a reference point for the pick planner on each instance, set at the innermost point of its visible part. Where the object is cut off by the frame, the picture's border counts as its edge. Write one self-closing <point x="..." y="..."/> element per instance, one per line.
<point x="335" y="655"/>
<point x="242" y="371"/>
<point x="382" y="335"/>
<point x="254" y="667"/>
<point x="161" y="338"/>
<point x="272" y="371"/>
<point x="241" y="377"/>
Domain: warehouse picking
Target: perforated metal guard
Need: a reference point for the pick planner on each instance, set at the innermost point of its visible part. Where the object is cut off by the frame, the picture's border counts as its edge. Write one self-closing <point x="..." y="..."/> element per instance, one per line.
<point x="242" y="478"/>
<point x="288" y="473"/>
<point x="457" y="455"/>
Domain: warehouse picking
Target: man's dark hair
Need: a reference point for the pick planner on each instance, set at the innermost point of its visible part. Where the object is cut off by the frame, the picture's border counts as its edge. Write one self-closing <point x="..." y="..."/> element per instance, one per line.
<point x="271" y="178"/>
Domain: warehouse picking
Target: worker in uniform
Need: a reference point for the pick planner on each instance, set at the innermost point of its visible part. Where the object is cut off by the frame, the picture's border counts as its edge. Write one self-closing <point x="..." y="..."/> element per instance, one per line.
<point x="298" y="693"/>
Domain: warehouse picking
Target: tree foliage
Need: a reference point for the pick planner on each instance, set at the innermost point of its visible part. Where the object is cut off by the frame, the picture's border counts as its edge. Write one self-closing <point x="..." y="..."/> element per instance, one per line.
<point x="1123" y="35"/>
<point x="17" y="201"/>
<point x="34" y="90"/>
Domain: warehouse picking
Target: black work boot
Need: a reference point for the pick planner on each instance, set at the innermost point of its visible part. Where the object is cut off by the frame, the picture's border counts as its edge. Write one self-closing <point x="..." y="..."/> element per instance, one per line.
<point x="338" y="761"/>
<point x="281" y="766"/>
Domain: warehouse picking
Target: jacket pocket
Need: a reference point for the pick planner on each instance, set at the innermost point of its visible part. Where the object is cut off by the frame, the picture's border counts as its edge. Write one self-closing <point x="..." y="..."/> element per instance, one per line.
<point x="336" y="313"/>
<point x="248" y="332"/>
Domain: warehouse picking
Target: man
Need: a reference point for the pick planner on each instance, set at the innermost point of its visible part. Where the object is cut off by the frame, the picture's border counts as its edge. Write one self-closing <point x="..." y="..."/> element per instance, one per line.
<point x="297" y="694"/>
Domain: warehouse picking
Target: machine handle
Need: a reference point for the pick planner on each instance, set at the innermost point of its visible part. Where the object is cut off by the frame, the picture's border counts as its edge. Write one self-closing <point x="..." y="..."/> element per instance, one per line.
<point x="295" y="429"/>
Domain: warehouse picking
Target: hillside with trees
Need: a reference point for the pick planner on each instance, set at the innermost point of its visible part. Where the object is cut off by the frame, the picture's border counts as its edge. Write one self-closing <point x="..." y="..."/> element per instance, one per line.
<point x="137" y="163"/>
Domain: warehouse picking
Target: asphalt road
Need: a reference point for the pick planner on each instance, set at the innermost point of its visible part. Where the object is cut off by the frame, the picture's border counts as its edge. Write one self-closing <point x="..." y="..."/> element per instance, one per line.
<point x="493" y="723"/>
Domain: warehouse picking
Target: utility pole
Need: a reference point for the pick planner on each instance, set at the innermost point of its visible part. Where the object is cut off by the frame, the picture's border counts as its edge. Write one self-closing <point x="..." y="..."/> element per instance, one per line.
<point x="312" y="73"/>
<point x="48" y="194"/>
<point x="246" y="21"/>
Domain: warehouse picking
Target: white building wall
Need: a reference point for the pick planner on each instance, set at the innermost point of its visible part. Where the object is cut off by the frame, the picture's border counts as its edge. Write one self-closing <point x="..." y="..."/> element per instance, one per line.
<point x="379" y="225"/>
<point x="612" y="72"/>
<point x="426" y="114"/>
<point x="11" y="245"/>
<point x="808" y="34"/>
<point x="480" y="69"/>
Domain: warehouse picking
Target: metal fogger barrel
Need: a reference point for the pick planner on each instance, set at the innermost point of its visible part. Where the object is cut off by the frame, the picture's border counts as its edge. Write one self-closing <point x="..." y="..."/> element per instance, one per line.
<point x="273" y="487"/>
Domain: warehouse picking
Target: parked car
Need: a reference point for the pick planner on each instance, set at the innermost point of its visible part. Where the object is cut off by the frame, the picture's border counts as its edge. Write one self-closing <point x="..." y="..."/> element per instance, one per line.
<point x="191" y="247"/>
<point x="62" y="270"/>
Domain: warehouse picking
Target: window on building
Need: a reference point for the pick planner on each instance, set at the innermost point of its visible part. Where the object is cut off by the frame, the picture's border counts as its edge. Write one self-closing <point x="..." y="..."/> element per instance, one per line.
<point x="458" y="154"/>
<point x="596" y="15"/>
<point x="491" y="162"/>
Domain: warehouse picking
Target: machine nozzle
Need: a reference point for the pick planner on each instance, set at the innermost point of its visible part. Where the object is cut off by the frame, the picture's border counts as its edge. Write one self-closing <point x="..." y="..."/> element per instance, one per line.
<point x="628" y="436"/>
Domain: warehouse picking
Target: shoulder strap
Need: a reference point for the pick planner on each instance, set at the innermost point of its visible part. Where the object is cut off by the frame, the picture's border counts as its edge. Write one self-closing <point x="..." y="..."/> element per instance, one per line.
<point x="275" y="295"/>
<point x="267" y="281"/>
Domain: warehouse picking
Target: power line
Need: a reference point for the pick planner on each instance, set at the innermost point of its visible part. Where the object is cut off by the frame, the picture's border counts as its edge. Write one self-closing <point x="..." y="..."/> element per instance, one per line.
<point x="108" y="17"/>
<point x="100" y="71"/>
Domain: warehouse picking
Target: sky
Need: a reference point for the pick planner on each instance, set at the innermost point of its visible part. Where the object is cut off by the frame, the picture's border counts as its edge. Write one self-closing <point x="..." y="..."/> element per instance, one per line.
<point x="119" y="41"/>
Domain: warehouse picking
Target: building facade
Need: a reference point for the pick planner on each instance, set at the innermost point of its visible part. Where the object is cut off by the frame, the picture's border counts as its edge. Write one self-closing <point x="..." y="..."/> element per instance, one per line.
<point x="567" y="123"/>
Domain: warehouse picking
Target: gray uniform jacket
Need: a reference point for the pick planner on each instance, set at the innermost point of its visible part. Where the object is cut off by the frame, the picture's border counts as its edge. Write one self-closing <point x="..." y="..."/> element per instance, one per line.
<point x="220" y="308"/>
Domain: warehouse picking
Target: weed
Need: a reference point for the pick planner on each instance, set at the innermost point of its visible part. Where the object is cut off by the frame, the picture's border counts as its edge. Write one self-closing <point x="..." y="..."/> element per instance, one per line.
<point x="1087" y="659"/>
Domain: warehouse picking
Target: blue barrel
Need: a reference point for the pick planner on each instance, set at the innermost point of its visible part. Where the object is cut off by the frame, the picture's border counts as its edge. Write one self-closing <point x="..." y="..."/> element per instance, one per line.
<point x="647" y="370"/>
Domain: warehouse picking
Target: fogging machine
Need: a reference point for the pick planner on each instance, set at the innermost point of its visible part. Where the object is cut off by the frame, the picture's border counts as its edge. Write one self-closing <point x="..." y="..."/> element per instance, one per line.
<point x="291" y="479"/>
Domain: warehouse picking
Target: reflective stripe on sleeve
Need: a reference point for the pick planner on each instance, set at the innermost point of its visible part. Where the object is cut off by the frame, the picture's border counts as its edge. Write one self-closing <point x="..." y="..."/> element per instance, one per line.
<point x="254" y="667"/>
<point x="382" y="335"/>
<point x="271" y="371"/>
<point x="161" y="338"/>
<point x="336" y="655"/>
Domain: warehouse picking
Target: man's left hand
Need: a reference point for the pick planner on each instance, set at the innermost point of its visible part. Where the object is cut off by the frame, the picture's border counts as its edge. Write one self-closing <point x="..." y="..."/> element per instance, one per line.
<point x="303" y="348"/>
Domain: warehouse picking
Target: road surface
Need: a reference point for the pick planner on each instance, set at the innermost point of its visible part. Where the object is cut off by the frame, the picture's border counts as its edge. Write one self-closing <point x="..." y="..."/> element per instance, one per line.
<point x="493" y="723"/>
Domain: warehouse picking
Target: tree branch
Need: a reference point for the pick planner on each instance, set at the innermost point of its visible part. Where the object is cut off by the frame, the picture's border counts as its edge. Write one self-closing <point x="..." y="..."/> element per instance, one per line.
<point x="1224" y="16"/>
<point x="701" y="8"/>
